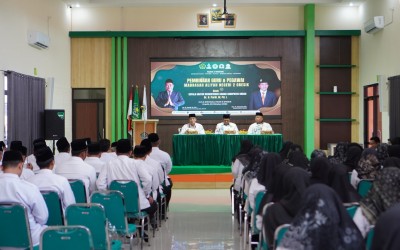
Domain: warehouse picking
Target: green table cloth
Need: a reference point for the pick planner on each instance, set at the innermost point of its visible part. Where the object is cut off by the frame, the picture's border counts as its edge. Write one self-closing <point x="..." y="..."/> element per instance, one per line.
<point x="212" y="149"/>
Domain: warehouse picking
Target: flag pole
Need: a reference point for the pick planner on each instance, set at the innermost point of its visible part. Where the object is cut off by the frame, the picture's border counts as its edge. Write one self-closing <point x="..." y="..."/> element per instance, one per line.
<point x="132" y="125"/>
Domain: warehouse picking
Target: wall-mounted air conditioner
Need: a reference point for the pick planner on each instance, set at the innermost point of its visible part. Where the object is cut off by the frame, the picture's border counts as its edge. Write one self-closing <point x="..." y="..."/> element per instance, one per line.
<point x="375" y="24"/>
<point x="38" y="40"/>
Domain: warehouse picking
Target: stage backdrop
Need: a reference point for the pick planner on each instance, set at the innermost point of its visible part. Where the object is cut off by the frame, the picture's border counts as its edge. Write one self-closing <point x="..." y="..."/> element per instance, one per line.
<point x="211" y="87"/>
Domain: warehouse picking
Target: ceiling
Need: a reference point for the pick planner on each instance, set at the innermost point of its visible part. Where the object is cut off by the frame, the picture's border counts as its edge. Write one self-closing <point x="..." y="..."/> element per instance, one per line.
<point x="200" y="3"/>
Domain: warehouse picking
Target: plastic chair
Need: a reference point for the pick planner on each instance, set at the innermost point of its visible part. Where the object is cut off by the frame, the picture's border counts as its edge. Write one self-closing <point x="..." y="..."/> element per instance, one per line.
<point x="163" y="206"/>
<point x="351" y="208"/>
<point x="254" y="231"/>
<point x="113" y="203"/>
<point x="14" y="226"/>
<point x="53" y="202"/>
<point x="262" y="243"/>
<point x="66" y="238"/>
<point x="370" y="237"/>
<point x="92" y="216"/>
<point x="364" y="186"/>
<point x="279" y="233"/>
<point x="79" y="190"/>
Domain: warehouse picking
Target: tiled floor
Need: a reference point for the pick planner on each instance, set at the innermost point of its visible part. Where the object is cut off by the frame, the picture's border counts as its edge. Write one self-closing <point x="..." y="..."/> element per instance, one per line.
<point x="198" y="219"/>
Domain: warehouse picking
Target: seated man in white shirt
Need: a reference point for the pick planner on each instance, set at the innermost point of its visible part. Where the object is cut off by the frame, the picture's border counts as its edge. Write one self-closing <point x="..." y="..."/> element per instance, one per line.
<point x="27" y="168"/>
<point x="64" y="149"/>
<point x="259" y="127"/>
<point x="46" y="180"/>
<point x="37" y="144"/>
<point x="192" y="127"/>
<point x="13" y="189"/>
<point x="93" y="157"/>
<point x="226" y="127"/>
<point x="106" y="153"/>
<point x="76" y="168"/>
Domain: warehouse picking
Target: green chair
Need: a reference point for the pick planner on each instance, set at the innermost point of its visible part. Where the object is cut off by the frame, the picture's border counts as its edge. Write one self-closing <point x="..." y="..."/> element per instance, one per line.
<point x="279" y="233"/>
<point x="254" y="230"/>
<point x="79" y="190"/>
<point x="113" y="203"/>
<point x="351" y="208"/>
<point x="92" y="216"/>
<point x="66" y="238"/>
<point x="262" y="243"/>
<point x="370" y="237"/>
<point x="364" y="186"/>
<point x="14" y="226"/>
<point x="130" y="191"/>
<point x="53" y="202"/>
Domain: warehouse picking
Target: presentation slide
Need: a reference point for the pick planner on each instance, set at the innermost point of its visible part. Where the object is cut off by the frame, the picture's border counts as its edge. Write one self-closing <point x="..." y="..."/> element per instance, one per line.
<point x="211" y="87"/>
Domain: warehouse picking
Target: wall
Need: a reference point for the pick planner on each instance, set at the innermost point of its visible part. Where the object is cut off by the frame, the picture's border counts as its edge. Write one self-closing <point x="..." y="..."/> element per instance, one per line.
<point x="49" y="17"/>
<point x="379" y="53"/>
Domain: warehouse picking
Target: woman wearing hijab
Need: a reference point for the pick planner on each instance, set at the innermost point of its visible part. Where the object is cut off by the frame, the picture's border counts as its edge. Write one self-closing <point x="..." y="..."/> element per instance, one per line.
<point x="241" y="160"/>
<point x="387" y="230"/>
<point x="391" y="162"/>
<point x="367" y="167"/>
<point x="317" y="153"/>
<point x="322" y="223"/>
<point x="339" y="181"/>
<point x="339" y="155"/>
<point x="295" y="182"/>
<point x="385" y="192"/>
<point x="382" y="150"/>
<point x="320" y="168"/>
<point x="299" y="159"/>
<point x="394" y="151"/>
<point x="285" y="149"/>
<point x="353" y="155"/>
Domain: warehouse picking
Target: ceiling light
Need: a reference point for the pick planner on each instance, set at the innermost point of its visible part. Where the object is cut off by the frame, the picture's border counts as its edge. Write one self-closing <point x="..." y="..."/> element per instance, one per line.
<point x="215" y="5"/>
<point x="351" y="3"/>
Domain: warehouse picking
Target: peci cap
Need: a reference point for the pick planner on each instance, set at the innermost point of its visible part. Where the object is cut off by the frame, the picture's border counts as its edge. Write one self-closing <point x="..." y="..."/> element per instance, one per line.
<point x="94" y="148"/>
<point x="78" y="145"/>
<point x="62" y="144"/>
<point x="139" y="151"/>
<point x="38" y="140"/>
<point x="104" y="145"/>
<point x="11" y="156"/>
<point x="15" y="145"/>
<point x="153" y="137"/>
<point x="23" y="150"/>
<point x="192" y="115"/>
<point x="124" y="146"/>
<point x="226" y="116"/>
<point x="38" y="145"/>
<point x="44" y="156"/>
<point x="147" y="144"/>
<point x="259" y="114"/>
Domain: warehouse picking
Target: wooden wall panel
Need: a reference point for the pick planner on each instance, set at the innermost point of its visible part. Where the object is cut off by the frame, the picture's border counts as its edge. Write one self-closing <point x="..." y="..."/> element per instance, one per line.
<point x="289" y="49"/>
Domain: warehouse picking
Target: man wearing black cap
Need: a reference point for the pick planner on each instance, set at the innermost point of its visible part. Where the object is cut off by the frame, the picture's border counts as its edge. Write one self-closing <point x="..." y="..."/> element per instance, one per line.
<point x="93" y="157"/>
<point x="165" y="160"/>
<point x="259" y="127"/>
<point x="192" y="127"/>
<point x="76" y="168"/>
<point x="263" y="97"/>
<point x="154" y="167"/>
<point x="46" y="180"/>
<point x="27" y="168"/>
<point x="106" y="153"/>
<point x="37" y="144"/>
<point x="226" y="127"/>
<point x="64" y="149"/>
<point x="13" y="189"/>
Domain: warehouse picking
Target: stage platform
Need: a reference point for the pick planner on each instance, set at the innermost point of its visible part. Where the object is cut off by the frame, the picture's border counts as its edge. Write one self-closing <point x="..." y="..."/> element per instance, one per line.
<point x="201" y="176"/>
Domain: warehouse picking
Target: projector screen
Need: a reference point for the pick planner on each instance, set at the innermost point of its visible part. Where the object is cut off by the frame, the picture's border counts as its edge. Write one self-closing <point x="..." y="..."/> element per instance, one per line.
<point x="211" y="87"/>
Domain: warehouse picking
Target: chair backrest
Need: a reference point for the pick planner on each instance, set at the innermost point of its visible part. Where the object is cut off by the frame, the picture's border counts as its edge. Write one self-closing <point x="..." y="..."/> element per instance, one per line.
<point x="370" y="237"/>
<point x="14" y="226"/>
<point x="79" y="190"/>
<point x="66" y="237"/>
<point x="364" y="186"/>
<point x="130" y="191"/>
<point x="92" y="216"/>
<point x="53" y="202"/>
<point x="351" y="208"/>
<point x="279" y="233"/>
<point x="263" y="239"/>
<point x="258" y="199"/>
<point x="113" y="203"/>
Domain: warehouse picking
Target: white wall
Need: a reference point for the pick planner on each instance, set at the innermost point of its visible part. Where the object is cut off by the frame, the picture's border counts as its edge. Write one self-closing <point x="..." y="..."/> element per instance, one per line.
<point x="47" y="16"/>
<point x="379" y="52"/>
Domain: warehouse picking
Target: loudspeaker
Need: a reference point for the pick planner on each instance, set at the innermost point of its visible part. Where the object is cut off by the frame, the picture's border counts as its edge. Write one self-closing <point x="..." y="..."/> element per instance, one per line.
<point x="54" y="124"/>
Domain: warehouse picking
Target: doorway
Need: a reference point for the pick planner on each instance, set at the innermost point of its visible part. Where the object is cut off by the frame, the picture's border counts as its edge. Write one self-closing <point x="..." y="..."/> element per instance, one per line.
<point x="88" y="109"/>
<point x="372" y="114"/>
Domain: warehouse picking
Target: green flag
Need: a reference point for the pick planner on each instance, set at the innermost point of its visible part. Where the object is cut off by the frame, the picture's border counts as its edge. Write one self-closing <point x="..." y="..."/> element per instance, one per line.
<point x="136" y="106"/>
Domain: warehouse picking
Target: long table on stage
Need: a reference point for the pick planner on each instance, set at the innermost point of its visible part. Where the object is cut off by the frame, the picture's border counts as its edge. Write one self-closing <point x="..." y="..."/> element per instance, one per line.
<point x="212" y="149"/>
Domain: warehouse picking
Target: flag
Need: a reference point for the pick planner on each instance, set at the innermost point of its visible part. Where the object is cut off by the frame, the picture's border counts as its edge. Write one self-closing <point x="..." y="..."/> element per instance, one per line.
<point x="136" y="107"/>
<point x="129" y="116"/>
<point x="144" y="105"/>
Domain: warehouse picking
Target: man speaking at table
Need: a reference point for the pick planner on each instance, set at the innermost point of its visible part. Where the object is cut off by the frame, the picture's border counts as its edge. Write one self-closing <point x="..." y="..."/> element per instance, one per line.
<point x="192" y="127"/>
<point x="259" y="127"/>
<point x="226" y="127"/>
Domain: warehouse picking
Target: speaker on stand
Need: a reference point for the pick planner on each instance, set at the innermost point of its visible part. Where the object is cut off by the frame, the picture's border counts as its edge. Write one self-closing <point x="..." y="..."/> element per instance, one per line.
<point x="54" y="125"/>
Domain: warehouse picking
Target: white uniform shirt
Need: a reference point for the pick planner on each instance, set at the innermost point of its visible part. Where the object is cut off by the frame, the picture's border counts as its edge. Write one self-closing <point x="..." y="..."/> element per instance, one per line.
<point x="95" y="162"/>
<point x="125" y="168"/>
<point x="60" y="158"/>
<point x="32" y="160"/>
<point x="197" y="126"/>
<point x="108" y="156"/>
<point x="221" y="128"/>
<point x="46" y="180"/>
<point x="13" y="189"/>
<point x="164" y="159"/>
<point x="152" y="170"/>
<point x="237" y="168"/>
<point x="157" y="167"/>
<point x="76" y="168"/>
<point x="256" y="128"/>
<point x="26" y="174"/>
